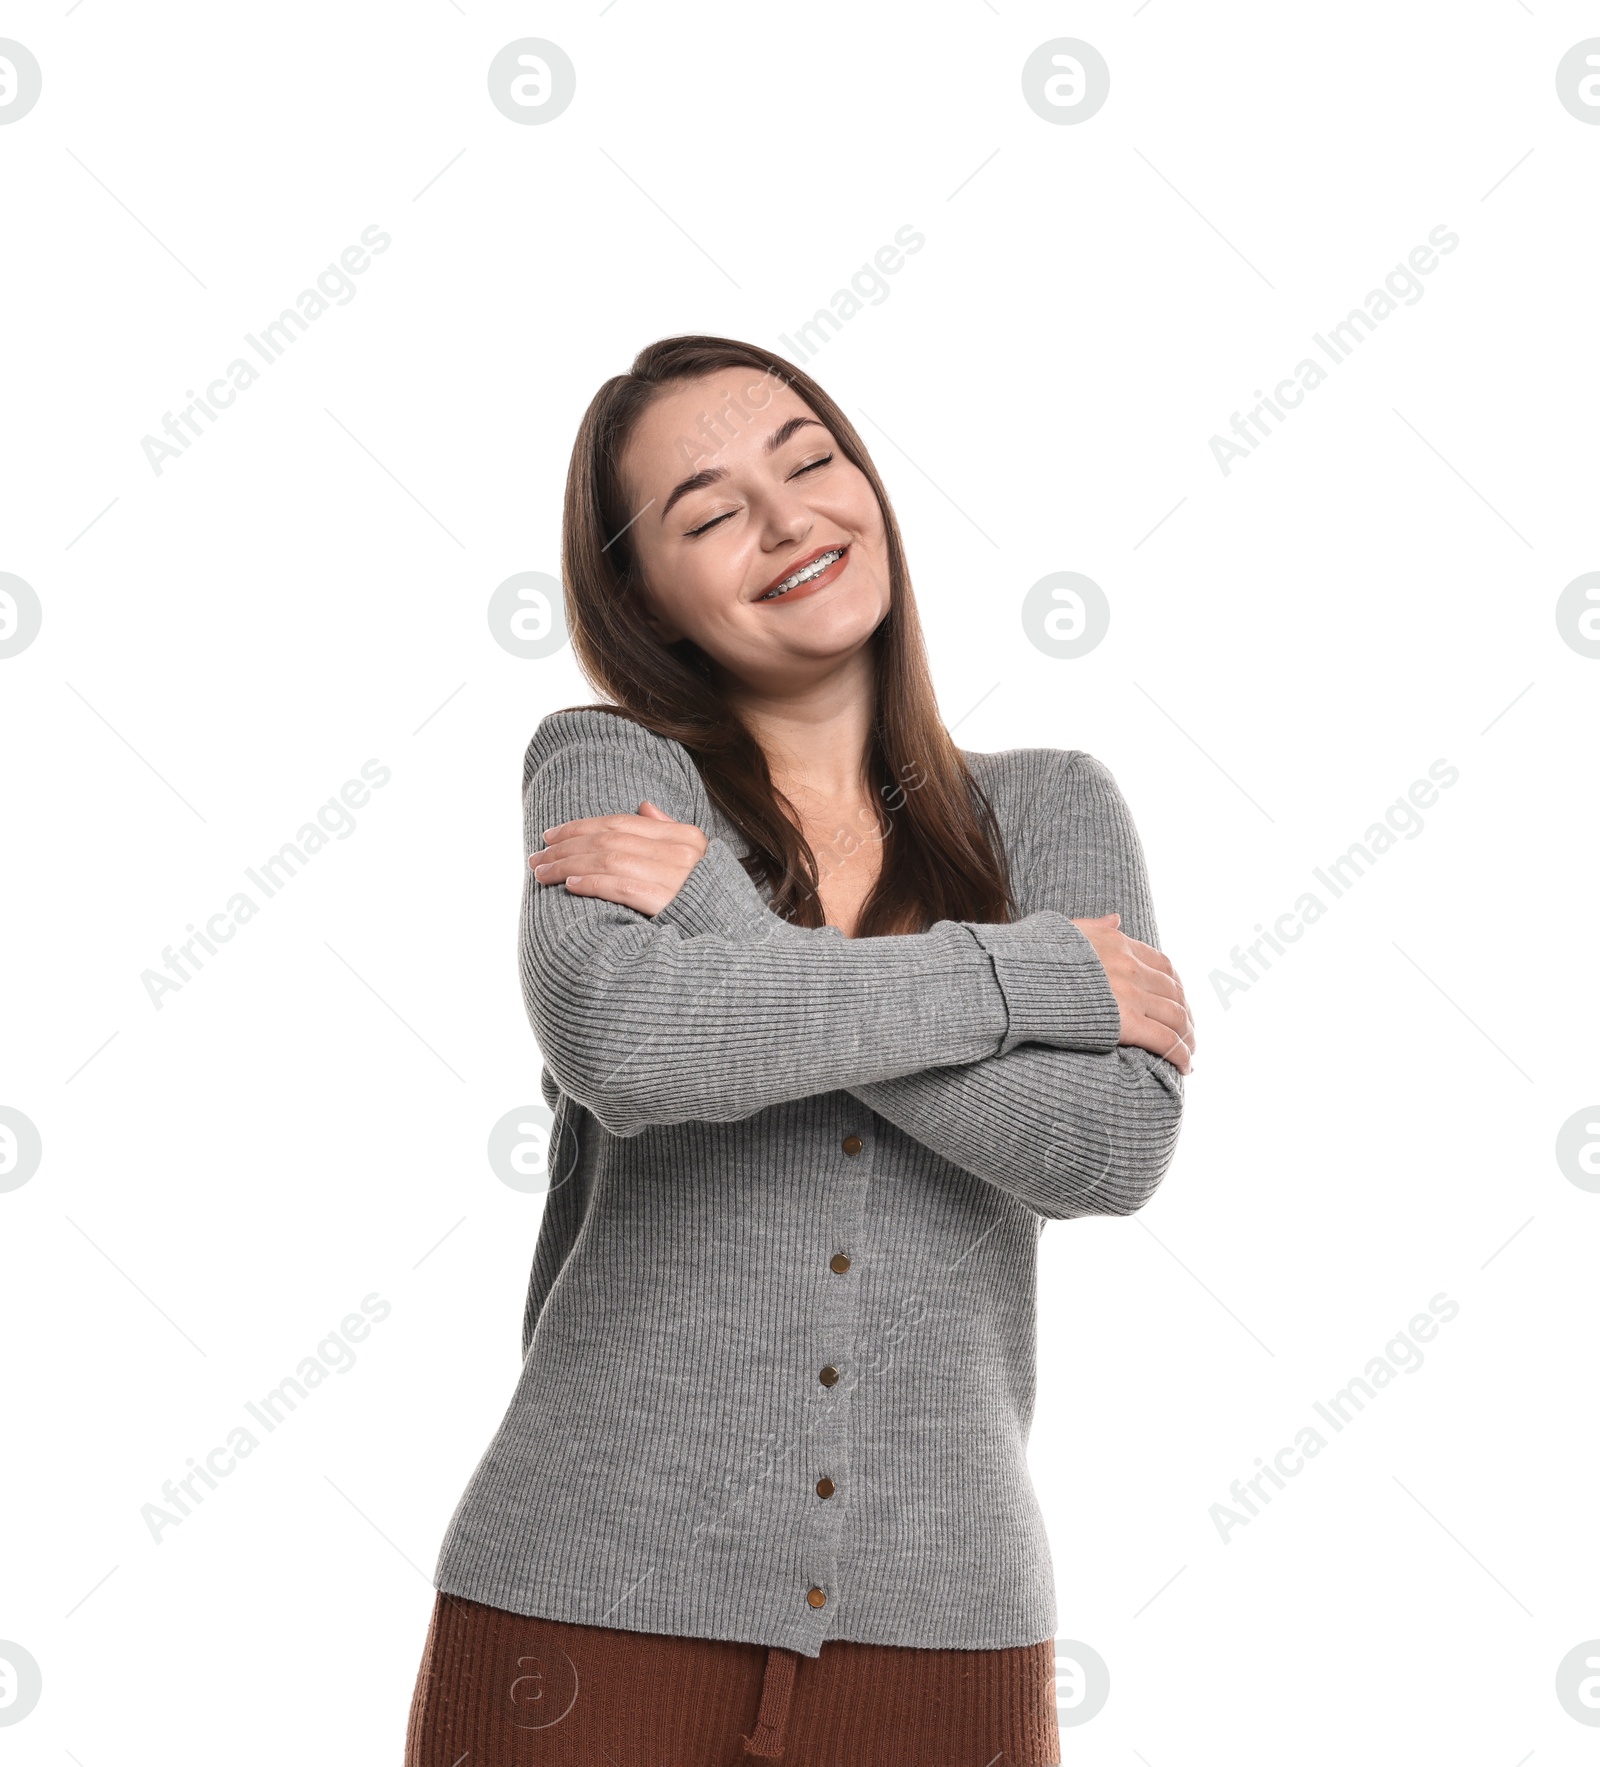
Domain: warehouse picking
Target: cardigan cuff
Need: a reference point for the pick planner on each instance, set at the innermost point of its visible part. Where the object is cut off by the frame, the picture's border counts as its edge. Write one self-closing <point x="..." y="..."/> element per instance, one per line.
<point x="718" y="896"/>
<point x="1055" y="987"/>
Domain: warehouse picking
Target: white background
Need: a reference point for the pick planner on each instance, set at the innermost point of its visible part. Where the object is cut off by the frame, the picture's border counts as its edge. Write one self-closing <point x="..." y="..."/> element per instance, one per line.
<point x="225" y="643"/>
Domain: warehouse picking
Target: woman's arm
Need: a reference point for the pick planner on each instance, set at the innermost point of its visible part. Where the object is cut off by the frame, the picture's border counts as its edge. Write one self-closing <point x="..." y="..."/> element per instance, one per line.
<point x="1070" y="1130"/>
<point x="716" y="1008"/>
<point x="1066" y="1132"/>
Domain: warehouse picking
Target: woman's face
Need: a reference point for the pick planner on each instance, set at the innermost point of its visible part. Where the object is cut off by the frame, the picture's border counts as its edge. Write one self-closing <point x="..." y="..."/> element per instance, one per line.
<point x="735" y="485"/>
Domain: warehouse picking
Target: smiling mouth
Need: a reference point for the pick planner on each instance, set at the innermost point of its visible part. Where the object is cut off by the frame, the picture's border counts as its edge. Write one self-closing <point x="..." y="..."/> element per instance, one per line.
<point x="813" y="567"/>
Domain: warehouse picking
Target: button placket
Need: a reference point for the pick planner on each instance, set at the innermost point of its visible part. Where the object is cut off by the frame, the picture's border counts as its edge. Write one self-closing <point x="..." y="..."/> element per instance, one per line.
<point x="831" y="1468"/>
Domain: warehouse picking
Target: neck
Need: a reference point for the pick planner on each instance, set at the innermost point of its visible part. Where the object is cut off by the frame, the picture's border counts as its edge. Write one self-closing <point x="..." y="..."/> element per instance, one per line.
<point x="816" y="736"/>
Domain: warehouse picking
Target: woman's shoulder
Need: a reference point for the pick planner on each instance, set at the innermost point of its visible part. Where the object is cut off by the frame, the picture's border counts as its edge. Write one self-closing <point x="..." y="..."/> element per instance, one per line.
<point x="1048" y="800"/>
<point x="600" y="730"/>
<point x="612" y="755"/>
<point x="1025" y="772"/>
<point x="1065" y="824"/>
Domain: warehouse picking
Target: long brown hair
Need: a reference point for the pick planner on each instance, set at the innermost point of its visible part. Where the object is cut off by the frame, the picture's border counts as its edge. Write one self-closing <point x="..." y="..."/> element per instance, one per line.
<point x="943" y="858"/>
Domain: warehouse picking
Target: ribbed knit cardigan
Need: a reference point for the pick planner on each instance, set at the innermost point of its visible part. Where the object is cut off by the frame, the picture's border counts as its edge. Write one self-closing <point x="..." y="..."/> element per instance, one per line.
<point x="778" y="1348"/>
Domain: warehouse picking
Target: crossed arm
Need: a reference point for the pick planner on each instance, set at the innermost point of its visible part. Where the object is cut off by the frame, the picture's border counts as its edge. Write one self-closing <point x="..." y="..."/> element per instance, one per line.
<point x="996" y="1046"/>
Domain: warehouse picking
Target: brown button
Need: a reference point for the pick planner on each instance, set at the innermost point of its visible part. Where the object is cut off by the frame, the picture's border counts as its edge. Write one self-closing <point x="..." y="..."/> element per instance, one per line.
<point x="825" y="1487"/>
<point x="828" y="1375"/>
<point x="851" y="1144"/>
<point x="815" y="1597"/>
<point x="839" y="1262"/>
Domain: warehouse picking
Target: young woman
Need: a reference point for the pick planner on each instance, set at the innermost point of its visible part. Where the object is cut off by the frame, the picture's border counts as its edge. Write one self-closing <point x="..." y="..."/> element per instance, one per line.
<point x="835" y="1016"/>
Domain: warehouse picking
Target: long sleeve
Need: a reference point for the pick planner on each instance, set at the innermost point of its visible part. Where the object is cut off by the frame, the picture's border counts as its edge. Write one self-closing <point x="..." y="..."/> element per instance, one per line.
<point x="689" y="1282"/>
<point x="1068" y="1131"/>
<point x="1083" y="1129"/>
<point x="723" y="1009"/>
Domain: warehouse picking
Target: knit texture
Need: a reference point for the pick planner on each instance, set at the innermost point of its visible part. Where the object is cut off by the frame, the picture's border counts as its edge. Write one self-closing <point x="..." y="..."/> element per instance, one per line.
<point x="737" y="1101"/>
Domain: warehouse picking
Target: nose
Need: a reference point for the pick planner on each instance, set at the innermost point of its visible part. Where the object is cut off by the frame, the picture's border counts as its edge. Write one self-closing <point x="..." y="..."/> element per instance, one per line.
<point x="785" y="519"/>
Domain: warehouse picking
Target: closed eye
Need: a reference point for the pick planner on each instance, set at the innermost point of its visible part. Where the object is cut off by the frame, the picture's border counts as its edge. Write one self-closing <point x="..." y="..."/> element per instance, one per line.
<point x="706" y="527"/>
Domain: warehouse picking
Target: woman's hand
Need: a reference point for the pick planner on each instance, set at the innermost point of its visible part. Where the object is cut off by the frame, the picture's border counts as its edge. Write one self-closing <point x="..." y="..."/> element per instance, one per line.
<point x="1155" y="1015"/>
<point x="640" y="861"/>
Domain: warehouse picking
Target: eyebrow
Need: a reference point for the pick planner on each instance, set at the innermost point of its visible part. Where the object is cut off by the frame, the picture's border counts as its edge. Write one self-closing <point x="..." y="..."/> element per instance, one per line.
<point x="698" y="481"/>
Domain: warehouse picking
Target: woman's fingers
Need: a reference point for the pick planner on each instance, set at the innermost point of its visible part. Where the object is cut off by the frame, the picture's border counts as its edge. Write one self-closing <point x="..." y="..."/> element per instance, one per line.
<point x="638" y="836"/>
<point x="590" y="870"/>
<point x="1147" y="989"/>
<point x="1160" y="1039"/>
<point x="639" y="861"/>
<point x="660" y="826"/>
<point x="582" y="859"/>
<point x="627" y="891"/>
<point x="1174" y="1016"/>
<point x="629" y="849"/>
<point x="1152" y="971"/>
<point x="1157" y="980"/>
<point x="1149" y="954"/>
<point x="1171" y="1007"/>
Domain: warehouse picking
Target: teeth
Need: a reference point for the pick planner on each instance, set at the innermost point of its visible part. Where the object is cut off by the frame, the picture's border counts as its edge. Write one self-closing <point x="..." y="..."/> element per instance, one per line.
<point x="814" y="569"/>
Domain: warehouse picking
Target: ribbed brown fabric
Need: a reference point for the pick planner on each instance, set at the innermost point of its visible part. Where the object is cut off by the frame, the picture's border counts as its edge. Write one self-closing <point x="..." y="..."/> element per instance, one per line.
<point x="498" y="1689"/>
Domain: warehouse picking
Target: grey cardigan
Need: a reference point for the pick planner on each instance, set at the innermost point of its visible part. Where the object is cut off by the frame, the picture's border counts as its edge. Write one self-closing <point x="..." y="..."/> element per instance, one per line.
<point x="778" y="1349"/>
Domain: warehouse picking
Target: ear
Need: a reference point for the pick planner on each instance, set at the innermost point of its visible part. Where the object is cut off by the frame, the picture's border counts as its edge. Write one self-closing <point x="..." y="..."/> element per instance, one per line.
<point x="663" y="628"/>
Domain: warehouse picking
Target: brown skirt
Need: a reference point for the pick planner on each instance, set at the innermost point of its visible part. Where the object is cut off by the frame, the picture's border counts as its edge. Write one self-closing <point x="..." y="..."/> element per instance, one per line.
<point x="498" y="1689"/>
